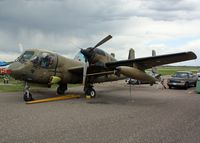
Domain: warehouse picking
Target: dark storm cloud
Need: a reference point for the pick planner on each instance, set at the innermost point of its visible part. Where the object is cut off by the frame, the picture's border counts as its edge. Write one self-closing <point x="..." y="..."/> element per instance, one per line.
<point x="171" y="9"/>
<point x="74" y="16"/>
<point x="171" y="5"/>
<point x="64" y="25"/>
<point x="22" y="21"/>
<point x="53" y="16"/>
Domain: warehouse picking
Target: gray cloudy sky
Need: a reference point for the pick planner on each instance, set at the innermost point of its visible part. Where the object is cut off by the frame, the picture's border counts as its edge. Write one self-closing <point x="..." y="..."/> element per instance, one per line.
<point x="63" y="26"/>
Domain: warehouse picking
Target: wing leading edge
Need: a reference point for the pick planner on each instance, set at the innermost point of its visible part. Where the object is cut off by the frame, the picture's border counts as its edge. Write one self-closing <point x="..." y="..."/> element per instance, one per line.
<point x="149" y="62"/>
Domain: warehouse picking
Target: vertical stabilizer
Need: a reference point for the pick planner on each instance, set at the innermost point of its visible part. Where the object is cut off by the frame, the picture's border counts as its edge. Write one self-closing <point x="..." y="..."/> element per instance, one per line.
<point x="112" y="54"/>
<point x="131" y="54"/>
<point x="153" y="53"/>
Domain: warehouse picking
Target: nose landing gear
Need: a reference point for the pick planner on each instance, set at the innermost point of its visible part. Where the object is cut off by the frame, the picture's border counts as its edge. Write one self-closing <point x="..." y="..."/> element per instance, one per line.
<point x="89" y="91"/>
<point x="27" y="94"/>
<point x="61" y="89"/>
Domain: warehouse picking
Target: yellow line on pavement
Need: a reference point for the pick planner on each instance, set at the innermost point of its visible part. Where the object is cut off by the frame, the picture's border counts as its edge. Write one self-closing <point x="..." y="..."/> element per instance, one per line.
<point x="53" y="99"/>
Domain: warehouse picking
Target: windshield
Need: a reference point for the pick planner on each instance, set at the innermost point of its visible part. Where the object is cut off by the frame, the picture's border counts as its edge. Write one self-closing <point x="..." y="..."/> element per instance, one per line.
<point x="181" y="75"/>
<point x="27" y="55"/>
<point x="80" y="57"/>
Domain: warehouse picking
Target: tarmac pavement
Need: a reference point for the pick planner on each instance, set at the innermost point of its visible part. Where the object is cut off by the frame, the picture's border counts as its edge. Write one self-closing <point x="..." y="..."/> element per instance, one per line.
<point x="149" y="115"/>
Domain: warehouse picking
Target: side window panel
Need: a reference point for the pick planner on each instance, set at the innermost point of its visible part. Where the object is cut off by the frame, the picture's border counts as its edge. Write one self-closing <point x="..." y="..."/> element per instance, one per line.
<point x="47" y="60"/>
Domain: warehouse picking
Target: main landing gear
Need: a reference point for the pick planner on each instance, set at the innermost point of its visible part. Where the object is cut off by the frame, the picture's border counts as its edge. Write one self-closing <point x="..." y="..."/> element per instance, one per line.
<point x="61" y="89"/>
<point x="89" y="91"/>
<point x="27" y="94"/>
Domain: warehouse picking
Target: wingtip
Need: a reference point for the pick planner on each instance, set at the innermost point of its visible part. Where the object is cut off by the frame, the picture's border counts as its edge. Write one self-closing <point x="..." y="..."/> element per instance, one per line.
<point x="192" y="55"/>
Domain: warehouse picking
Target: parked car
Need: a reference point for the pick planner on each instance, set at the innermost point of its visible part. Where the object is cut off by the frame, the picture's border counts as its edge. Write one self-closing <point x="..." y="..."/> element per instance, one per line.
<point x="198" y="73"/>
<point x="183" y="79"/>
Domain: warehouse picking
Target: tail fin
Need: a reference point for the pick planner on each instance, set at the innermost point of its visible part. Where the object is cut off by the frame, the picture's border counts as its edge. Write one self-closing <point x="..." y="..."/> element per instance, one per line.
<point x="153" y="53"/>
<point x="131" y="54"/>
<point x="113" y="54"/>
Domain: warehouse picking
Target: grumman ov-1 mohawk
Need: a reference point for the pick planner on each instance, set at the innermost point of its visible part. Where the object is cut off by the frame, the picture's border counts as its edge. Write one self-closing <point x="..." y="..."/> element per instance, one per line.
<point x="48" y="68"/>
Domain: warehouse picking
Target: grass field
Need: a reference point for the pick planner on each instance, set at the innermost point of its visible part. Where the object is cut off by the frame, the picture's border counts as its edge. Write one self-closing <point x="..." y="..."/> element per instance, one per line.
<point x="170" y="70"/>
<point x="17" y="86"/>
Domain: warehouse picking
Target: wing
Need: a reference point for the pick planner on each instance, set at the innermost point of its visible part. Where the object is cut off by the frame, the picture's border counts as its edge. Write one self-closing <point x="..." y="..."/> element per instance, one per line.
<point x="149" y="62"/>
<point x="140" y="63"/>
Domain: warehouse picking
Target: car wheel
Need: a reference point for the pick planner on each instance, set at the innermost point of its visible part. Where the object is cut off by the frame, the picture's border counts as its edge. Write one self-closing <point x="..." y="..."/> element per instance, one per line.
<point x="195" y="84"/>
<point x="186" y="85"/>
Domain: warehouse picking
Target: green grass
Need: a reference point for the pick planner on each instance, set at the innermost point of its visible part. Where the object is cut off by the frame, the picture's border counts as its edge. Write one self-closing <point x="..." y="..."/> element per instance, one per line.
<point x="11" y="88"/>
<point x="170" y="70"/>
<point x="18" y="86"/>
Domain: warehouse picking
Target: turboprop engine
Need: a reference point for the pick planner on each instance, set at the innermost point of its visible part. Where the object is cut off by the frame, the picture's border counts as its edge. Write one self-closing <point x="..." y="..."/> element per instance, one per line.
<point x="135" y="74"/>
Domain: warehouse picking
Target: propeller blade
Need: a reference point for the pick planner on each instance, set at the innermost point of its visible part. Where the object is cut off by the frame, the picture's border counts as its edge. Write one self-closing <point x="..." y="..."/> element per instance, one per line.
<point x="21" y="48"/>
<point x="102" y="41"/>
<point x="89" y="52"/>
<point x="85" y="72"/>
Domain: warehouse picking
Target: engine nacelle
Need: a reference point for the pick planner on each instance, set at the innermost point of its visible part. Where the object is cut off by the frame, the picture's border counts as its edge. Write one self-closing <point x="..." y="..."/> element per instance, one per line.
<point x="135" y="74"/>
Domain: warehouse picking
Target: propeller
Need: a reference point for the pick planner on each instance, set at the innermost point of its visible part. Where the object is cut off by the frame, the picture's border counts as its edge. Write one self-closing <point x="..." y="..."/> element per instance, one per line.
<point x="21" y="48"/>
<point x="89" y="53"/>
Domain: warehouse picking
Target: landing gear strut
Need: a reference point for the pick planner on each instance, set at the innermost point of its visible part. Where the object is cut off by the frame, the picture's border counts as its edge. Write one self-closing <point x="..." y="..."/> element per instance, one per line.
<point x="27" y="94"/>
<point x="61" y="89"/>
<point x="89" y="91"/>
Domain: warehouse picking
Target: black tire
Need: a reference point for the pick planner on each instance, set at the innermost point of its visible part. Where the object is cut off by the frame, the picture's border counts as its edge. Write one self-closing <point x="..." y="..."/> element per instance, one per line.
<point x="195" y="84"/>
<point x="28" y="97"/>
<point x="170" y="87"/>
<point x="91" y="92"/>
<point x="61" y="89"/>
<point x="186" y="86"/>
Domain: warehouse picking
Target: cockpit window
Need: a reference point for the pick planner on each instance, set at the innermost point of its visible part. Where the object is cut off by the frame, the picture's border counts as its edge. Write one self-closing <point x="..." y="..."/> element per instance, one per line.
<point x="27" y="55"/>
<point x="80" y="57"/>
<point x="46" y="60"/>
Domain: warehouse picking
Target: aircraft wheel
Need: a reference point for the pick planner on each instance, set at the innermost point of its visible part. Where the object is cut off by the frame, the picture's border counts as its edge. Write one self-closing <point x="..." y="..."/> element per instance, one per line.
<point x="61" y="89"/>
<point x="28" y="97"/>
<point x="91" y="92"/>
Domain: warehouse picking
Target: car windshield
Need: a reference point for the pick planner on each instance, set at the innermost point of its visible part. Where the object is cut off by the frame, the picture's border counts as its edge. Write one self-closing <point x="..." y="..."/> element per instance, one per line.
<point x="181" y="75"/>
<point x="27" y="55"/>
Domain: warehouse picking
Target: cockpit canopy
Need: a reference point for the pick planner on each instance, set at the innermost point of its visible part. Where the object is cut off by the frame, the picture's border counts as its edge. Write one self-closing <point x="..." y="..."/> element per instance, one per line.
<point x="27" y="55"/>
<point x="42" y="59"/>
<point x="79" y="57"/>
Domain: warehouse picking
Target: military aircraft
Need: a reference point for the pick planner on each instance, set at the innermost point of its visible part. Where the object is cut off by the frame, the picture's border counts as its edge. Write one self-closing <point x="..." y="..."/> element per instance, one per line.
<point x="96" y="66"/>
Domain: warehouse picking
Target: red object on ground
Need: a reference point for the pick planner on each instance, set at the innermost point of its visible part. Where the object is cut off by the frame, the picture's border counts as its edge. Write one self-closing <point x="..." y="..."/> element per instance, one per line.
<point x="5" y="71"/>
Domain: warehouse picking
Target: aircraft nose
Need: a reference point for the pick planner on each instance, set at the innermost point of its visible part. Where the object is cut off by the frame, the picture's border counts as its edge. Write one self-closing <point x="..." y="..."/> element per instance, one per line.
<point x="16" y="70"/>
